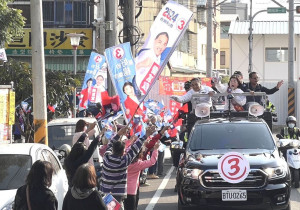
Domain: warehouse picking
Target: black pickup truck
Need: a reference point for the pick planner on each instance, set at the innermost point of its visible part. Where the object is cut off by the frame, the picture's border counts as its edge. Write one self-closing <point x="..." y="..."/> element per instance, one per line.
<point x="199" y="181"/>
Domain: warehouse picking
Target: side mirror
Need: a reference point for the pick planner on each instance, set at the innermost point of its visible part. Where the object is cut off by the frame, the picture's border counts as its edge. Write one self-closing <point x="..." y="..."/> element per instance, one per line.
<point x="279" y="136"/>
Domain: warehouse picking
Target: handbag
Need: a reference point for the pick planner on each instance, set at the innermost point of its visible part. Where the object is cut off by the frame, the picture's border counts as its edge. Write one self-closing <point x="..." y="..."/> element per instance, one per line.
<point x="27" y="198"/>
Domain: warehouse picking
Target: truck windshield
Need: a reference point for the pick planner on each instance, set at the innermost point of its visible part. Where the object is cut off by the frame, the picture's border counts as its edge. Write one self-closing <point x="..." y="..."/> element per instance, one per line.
<point x="231" y="136"/>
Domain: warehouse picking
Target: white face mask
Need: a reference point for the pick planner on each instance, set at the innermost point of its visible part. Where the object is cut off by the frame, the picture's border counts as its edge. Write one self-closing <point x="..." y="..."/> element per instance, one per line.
<point x="85" y="128"/>
<point x="291" y="125"/>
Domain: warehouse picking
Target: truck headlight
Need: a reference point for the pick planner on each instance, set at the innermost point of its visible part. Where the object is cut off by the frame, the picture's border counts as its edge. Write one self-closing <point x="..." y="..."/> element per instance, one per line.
<point x="276" y="173"/>
<point x="191" y="173"/>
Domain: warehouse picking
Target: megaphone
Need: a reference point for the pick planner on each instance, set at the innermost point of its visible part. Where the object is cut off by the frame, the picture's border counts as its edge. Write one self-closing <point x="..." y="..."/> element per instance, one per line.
<point x="202" y="110"/>
<point x="256" y="109"/>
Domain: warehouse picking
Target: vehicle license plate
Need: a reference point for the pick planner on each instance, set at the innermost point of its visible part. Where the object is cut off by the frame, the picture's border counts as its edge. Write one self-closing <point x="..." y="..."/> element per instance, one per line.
<point x="234" y="195"/>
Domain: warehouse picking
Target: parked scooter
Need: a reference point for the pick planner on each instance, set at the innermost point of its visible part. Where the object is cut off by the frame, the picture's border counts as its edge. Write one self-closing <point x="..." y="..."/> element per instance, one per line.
<point x="291" y="151"/>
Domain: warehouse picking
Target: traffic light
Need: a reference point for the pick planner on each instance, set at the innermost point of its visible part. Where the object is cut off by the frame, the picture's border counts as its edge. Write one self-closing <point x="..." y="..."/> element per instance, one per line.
<point x="298" y="9"/>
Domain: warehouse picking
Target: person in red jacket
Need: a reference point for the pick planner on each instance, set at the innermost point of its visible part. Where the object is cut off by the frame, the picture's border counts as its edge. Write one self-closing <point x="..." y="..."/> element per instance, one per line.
<point x="86" y="94"/>
<point x="132" y="102"/>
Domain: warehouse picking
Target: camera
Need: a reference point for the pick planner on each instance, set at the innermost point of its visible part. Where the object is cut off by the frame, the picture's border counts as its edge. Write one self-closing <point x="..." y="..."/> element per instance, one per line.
<point x="97" y="21"/>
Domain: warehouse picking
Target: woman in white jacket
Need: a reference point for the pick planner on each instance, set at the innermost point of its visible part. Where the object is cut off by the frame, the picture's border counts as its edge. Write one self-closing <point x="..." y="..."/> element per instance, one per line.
<point x="232" y="87"/>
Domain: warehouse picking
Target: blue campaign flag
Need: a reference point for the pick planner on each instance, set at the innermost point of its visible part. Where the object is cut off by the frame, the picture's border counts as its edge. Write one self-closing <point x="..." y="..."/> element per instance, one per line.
<point x="121" y="68"/>
<point x="163" y="38"/>
<point x="94" y="81"/>
<point x="95" y="66"/>
<point x="155" y="106"/>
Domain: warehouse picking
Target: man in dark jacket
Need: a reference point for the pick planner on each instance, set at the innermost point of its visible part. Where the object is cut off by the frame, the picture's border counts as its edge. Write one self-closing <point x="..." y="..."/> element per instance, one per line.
<point x="253" y="86"/>
<point x="79" y="155"/>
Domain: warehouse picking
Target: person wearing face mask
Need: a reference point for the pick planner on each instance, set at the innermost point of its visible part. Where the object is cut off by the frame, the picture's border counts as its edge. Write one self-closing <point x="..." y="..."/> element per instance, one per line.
<point x="291" y="131"/>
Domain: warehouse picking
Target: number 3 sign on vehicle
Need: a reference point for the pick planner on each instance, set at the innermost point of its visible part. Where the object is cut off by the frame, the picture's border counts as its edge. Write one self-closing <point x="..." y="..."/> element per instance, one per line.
<point x="233" y="167"/>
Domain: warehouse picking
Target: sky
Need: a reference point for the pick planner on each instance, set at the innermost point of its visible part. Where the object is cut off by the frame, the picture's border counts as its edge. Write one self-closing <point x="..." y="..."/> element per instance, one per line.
<point x="258" y="5"/>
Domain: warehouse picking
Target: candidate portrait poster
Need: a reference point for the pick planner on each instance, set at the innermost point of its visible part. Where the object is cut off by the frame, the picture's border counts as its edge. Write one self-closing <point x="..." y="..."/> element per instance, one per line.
<point x="121" y="69"/>
<point x="95" y="82"/>
<point x="175" y="85"/>
<point x="164" y="36"/>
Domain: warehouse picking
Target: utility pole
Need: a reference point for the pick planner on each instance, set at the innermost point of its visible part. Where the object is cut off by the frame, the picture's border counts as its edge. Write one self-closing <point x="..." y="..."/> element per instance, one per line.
<point x="111" y="33"/>
<point x="99" y="23"/>
<point x="250" y="38"/>
<point x="209" y="35"/>
<point x="38" y="73"/>
<point x="291" y="90"/>
<point x="129" y="22"/>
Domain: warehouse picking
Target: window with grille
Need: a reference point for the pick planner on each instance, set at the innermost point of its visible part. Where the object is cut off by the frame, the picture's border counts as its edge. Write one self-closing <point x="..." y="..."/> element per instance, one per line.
<point x="222" y="58"/>
<point x="278" y="54"/>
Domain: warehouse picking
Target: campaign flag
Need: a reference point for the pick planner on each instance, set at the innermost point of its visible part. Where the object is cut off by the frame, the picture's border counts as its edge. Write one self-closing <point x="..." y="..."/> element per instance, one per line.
<point x="94" y="83"/>
<point x="111" y="203"/>
<point x="121" y="69"/>
<point x="164" y="36"/>
<point x="174" y="106"/>
<point x="155" y="106"/>
<point x="175" y="85"/>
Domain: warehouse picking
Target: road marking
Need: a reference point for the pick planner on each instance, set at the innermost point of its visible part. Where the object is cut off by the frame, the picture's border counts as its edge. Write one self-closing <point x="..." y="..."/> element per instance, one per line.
<point x="160" y="189"/>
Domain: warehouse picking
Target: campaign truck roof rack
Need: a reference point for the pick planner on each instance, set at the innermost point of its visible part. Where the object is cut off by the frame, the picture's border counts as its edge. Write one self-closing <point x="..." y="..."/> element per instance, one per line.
<point x="203" y="110"/>
<point x="196" y="96"/>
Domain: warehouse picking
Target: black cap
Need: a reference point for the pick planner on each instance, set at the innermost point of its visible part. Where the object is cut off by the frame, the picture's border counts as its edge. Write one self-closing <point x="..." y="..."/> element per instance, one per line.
<point x="238" y="73"/>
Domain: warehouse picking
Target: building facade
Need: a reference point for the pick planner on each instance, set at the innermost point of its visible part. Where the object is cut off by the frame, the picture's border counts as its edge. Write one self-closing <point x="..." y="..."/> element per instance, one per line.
<point x="60" y="17"/>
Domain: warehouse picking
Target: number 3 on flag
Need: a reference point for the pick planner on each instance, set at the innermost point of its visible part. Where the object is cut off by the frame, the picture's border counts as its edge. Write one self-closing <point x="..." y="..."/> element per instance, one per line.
<point x="118" y="52"/>
<point x="180" y="24"/>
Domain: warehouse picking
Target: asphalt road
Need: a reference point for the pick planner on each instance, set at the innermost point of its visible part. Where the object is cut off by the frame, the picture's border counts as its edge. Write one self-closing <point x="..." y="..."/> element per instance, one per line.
<point x="160" y="194"/>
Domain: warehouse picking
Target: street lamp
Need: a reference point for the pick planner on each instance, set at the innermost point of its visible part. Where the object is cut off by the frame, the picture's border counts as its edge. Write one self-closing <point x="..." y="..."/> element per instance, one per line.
<point x="75" y="38"/>
<point x="250" y="37"/>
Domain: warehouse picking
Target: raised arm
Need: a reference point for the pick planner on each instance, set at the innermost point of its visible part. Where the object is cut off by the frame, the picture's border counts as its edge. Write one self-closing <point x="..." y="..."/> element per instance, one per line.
<point x="135" y="147"/>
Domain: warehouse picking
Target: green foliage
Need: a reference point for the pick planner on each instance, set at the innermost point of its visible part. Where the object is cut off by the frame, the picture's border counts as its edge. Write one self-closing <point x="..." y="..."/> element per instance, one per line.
<point x="11" y="22"/>
<point x="21" y="75"/>
<point x="58" y="84"/>
<point x="225" y="79"/>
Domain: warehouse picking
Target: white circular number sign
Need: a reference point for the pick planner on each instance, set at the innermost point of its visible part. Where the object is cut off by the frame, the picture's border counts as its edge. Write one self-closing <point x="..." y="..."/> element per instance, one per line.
<point x="118" y="52"/>
<point x="233" y="167"/>
<point x="98" y="59"/>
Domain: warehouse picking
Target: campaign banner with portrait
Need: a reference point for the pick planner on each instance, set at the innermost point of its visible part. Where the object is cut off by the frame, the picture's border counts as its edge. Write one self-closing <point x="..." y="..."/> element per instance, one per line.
<point x="121" y="69"/>
<point x="175" y="85"/>
<point x="95" y="82"/>
<point x="164" y="36"/>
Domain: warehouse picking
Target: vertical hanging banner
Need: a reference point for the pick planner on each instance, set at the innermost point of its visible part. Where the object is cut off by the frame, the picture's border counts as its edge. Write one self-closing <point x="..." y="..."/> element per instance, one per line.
<point x="3" y="56"/>
<point x="95" y="82"/>
<point x="121" y="69"/>
<point x="164" y="36"/>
